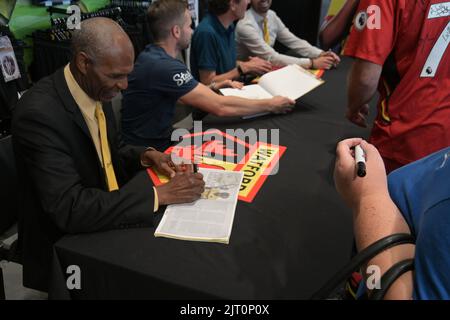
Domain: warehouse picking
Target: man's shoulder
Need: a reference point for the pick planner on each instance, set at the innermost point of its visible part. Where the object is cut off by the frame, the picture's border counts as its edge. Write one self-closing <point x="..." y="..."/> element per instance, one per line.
<point x="206" y="23"/>
<point x="155" y="61"/>
<point x="150" y="54"/>
<point x="40" y="97"/>
<point x="205" y="28"/>
<point x="272" y="14"/>
<point x="248" y="21"/>
<point x="205" y="32"/>
<point x="43" y="104"/>
<point x="422" y="176"/>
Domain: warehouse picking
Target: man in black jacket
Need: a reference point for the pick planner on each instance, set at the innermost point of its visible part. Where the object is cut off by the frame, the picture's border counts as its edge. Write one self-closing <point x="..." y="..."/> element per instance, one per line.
<point x="76" y="174"/>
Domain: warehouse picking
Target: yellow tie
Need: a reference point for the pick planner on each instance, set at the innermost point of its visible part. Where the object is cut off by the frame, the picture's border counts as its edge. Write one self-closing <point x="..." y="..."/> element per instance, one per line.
<point x="266" y="32"/>
<point x="106" y="155"/>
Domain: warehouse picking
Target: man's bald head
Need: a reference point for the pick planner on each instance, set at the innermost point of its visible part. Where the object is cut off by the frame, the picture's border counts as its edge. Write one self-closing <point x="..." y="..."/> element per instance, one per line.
<point x="102" y="58"/>
<point x="101" y="37"/>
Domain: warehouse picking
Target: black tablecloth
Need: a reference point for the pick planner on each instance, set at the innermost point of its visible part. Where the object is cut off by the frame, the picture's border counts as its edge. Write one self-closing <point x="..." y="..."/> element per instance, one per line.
<point x="284" y="245"/>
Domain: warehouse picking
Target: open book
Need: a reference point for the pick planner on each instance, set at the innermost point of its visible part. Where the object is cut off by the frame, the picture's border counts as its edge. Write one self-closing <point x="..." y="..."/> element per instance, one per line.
<point x="211" y="217"/>
<point x="291" y="81"/>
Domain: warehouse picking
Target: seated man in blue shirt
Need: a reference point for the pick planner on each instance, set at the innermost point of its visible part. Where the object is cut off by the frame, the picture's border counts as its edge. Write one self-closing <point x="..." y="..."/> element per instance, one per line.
<point x="213" y="51"/>
<point x="159" y="80"/>
<point x="414" y="199"/>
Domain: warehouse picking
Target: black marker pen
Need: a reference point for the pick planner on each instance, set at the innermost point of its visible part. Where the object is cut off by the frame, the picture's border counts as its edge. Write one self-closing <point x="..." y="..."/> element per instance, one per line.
<point x="360" y="161"/>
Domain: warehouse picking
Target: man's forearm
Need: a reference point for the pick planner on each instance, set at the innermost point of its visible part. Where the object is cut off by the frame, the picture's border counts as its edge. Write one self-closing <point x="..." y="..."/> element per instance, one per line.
<point x="235" y="106"/>
<point x="362" y="83"/>
<point x="205" y="99"/>
<point x="131" y="156"/>
<point x="376" y="217"/>
<point x="208" y="77"/>
<point x="334" y="30"/>
<point x="230" y="75"/>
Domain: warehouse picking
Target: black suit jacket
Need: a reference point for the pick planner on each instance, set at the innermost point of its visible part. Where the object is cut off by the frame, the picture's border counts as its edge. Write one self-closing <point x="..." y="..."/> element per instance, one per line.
<point x="63" y="187"/>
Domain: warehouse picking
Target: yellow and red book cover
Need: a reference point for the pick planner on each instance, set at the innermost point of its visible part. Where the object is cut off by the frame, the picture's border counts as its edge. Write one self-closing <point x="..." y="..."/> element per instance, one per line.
<point x="218" y="150"/>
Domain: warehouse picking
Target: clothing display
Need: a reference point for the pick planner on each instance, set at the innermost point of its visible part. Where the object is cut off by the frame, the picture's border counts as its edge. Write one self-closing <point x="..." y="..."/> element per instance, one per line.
<point x="51" y="49"/>
<point x="9" y="89"/>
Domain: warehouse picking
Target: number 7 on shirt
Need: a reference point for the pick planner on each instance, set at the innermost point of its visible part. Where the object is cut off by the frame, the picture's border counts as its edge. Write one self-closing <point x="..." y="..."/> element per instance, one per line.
<point x="437" y="53"/>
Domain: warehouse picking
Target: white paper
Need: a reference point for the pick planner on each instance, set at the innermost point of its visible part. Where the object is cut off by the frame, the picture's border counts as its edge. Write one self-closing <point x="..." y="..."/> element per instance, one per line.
<point x="291" y="82"/>
<point x="209" y="218"/>
<point x="253" y="91"/>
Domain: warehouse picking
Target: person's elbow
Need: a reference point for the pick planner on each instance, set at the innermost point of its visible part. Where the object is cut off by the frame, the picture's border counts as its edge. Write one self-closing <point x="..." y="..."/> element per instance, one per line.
<point x="323" y="40"/>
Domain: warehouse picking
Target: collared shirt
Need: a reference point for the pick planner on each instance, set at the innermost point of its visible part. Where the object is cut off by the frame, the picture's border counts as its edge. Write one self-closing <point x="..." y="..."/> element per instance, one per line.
<point x="213" y="47"/>
<point x="250" y="40"/>
<point x="87" y="107"/>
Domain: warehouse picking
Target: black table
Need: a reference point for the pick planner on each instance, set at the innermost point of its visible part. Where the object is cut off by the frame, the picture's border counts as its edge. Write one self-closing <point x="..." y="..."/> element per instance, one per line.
<point x="294" y="236"/>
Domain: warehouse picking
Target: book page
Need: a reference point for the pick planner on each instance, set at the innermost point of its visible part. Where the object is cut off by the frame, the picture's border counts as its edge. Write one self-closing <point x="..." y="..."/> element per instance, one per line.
<point x="253" y="91"/>
<point x="211" y="217"/>
<point x="291" y="81"/>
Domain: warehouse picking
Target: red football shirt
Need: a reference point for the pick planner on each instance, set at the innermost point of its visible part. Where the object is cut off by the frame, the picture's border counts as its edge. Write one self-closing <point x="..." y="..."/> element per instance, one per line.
<point x="410" y="39"/>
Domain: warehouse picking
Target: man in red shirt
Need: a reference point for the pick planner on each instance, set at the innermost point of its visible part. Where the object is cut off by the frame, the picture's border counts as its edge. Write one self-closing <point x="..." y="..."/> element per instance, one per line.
<point x="403" y="47"/>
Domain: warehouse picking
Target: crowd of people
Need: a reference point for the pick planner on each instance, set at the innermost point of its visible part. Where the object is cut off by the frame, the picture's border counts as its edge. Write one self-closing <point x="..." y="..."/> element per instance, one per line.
<point x="82" y="175"/>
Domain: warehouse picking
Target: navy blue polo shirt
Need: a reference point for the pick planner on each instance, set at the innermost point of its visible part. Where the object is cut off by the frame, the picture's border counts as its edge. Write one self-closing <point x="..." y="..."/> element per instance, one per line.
<point x="213" y="47"/>
<point x="154" y="86"/>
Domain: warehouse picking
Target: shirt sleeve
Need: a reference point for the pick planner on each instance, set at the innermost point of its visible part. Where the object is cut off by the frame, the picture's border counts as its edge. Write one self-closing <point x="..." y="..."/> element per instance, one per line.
<point x="174" y="79"/>
<point x="156" y="203"/>
<point x="300" y="46"/>
<point x="373" y="33"/>
<point x="250" y="37"/>
<point x="204" y="49"/>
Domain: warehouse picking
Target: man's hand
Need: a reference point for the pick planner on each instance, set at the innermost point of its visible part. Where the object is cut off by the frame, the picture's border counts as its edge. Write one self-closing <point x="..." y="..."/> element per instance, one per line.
<point x="256" y="66"/>
<point x="351" y="187"/>
<point x="160" y="161"/>
<point x="333" y="55"/>
<point x="184" y="187"/>
<point x="229" y="84"/>
<point x="323" y="62"/>
<point x="359" y="116"/>
<point x="281" y="104"/>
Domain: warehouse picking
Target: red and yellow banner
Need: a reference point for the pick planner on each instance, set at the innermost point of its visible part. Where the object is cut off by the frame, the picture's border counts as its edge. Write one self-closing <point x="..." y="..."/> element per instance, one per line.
<point x="226" y="152"/>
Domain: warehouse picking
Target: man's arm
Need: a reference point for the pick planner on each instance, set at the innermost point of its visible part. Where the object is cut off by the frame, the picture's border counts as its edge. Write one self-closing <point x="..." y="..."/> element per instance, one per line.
<point x="52" y="169"/>
<point x="375" y="215"/>
<point x="250" y="37"/>
<point x="335" y="29"/>
<point x="43" y="144"/>
<point x="131" y="156"/>
<point x="254" y="65"/>
<point x="362" y="85"/>
<point x="203" y="98"/>
<point x="209" y="76"/>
